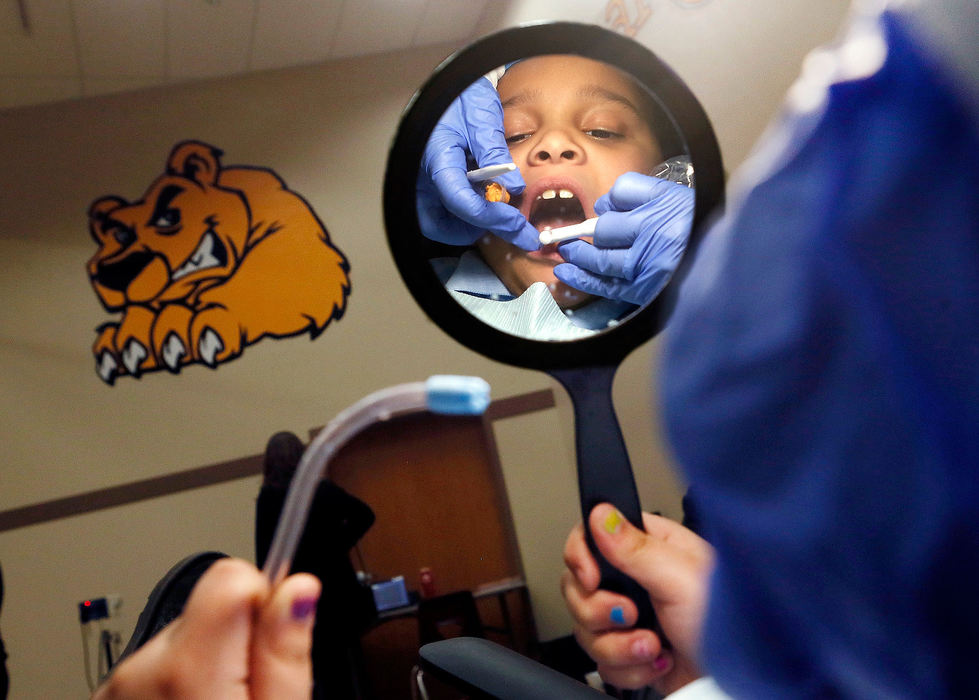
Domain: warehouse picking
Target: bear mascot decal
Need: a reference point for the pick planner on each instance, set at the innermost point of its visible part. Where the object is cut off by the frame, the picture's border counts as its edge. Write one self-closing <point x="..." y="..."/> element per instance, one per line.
<point x="211" y="259"/>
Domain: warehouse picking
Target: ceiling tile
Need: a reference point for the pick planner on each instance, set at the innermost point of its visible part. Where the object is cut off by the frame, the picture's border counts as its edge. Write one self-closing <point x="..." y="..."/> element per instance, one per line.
<point x="207" y="38"/>
<point x="370" y="26"/>
<point x="448" y="21"/>
<point x="45" y="47"/>
<point x="121" y="38"/>
<point x="294" y="32"/>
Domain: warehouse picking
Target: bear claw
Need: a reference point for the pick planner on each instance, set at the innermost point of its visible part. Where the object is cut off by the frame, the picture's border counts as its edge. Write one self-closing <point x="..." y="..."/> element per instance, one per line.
<point x="209" y="346"/>
<point x="133" y="355"/>
<point x="173" y="349"/>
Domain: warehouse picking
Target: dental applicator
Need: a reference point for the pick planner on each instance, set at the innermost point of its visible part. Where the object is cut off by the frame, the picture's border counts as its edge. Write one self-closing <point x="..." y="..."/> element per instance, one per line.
<point x="564" y="233"/>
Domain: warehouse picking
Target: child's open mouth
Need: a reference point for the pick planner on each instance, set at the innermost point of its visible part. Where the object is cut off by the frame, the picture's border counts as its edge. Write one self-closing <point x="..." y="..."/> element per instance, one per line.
<point x="554" y="208"/>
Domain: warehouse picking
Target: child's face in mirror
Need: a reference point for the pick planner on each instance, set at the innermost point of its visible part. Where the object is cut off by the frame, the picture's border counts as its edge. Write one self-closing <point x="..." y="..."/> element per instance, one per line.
<point x="573" y="126"/>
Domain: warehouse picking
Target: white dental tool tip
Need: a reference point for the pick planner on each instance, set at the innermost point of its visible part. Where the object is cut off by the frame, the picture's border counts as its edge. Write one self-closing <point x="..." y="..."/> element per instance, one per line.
<point x="564" y="233"/>
<point x="455" y="395"/>
<point x="490" y="171"/>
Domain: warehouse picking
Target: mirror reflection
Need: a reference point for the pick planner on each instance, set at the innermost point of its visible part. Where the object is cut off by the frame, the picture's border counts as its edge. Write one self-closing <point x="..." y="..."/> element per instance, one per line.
<point x="592" y="220"/>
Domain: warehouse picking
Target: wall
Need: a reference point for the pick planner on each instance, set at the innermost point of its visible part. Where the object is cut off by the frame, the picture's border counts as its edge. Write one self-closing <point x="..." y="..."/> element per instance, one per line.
<point x="325" y="130"/>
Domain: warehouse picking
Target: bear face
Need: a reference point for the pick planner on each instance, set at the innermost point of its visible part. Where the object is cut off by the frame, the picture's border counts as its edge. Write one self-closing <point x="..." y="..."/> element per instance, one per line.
<point x="184" y="235"/>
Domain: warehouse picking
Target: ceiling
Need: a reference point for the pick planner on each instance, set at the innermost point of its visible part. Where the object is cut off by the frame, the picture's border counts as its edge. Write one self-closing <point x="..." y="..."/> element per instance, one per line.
<point x="60" y="49"/>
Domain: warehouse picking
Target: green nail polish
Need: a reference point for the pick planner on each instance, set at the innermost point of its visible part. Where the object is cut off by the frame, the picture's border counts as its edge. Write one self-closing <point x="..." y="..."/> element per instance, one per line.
<point x="613" y="522"/>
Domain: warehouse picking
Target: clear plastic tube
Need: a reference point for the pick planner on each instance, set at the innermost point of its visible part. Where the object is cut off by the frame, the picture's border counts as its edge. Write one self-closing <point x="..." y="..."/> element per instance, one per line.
<point x="442" y="394"/>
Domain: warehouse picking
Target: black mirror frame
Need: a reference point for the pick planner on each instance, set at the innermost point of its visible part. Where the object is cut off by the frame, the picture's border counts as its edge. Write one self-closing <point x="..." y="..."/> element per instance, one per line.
<point x="423" y="112"/>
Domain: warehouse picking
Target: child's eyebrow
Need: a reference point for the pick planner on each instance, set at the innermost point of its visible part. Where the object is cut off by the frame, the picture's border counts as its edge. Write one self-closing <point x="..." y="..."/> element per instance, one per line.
<point x="602" y="93"/>
<point x="521" y="98"/>
<point x="587" y="92"/>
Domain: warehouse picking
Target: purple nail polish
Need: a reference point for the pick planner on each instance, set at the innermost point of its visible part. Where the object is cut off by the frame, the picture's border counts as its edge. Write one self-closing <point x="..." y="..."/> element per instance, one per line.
<point x="303" y="608"/>
<point x="662" y="662"/>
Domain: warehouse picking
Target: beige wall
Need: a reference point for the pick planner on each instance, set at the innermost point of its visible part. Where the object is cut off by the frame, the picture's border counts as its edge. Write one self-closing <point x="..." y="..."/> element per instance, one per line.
<point x="325" y="130"/>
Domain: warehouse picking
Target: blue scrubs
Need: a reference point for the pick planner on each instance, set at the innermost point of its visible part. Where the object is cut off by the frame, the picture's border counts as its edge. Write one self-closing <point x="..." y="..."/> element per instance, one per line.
<point x="821" y="391"/>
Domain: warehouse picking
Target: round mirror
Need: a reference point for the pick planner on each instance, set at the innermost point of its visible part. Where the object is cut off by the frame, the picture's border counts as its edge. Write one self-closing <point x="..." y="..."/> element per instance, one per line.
<point x="581" y="107"/>
<point x="577" y="110"/>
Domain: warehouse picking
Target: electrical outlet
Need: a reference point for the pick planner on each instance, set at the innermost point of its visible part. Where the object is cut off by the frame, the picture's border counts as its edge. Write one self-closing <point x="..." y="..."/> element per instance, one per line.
<point x="93" y="609"/>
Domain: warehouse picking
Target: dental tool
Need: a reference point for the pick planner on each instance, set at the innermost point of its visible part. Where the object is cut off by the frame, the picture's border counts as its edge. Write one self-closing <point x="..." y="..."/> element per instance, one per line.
<point x="490" y="171"/>
<point x="564" y="233"/>
<point x="444" y="394"/>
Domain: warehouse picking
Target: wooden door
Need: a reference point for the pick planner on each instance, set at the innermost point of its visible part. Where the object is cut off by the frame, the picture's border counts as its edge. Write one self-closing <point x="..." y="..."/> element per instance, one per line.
<point x="437" y="492"/>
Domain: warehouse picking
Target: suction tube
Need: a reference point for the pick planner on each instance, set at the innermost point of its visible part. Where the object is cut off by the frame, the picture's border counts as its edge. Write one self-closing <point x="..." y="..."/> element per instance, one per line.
<point x="445" y="394"/>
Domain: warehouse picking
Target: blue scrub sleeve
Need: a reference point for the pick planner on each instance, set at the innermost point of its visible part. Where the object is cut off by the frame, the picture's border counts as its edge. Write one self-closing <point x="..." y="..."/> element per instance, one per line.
<point x="820" y="384"/>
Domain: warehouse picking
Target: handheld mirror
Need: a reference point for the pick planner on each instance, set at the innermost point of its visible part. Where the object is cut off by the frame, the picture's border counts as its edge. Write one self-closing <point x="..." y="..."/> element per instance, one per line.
<point x="581" y="105"/>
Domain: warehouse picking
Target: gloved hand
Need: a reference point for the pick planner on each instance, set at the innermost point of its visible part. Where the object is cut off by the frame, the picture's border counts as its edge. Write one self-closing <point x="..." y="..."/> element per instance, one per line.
<point x="450" y="210"/>
<point x="642" y="231"/>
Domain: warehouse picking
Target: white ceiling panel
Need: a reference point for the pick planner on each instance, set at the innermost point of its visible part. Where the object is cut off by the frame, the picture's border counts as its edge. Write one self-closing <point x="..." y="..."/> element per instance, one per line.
<point x="87" y="47"/>
<point x="123" y="39"/>
<point x="294" y="32"/>
<point x="208" y="39"/>
<point x="39" y="43"/>
<point x="369" y="26"/>
<point x="449" y="20"/>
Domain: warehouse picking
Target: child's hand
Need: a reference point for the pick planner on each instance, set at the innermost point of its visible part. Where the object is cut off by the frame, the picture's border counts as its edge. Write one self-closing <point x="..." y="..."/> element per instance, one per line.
<point x="450" y="210"/>
<point x="642" y="231"/>
<point x="672" y="564"/>
<point x="235" y="638"/>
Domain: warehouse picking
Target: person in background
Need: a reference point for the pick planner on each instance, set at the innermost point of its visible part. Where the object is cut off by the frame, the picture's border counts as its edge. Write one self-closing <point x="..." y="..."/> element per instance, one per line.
<point x="337" y="520"/>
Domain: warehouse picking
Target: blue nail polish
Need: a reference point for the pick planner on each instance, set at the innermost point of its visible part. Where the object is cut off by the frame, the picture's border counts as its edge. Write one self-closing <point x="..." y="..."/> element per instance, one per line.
<point x="618" y="615"/>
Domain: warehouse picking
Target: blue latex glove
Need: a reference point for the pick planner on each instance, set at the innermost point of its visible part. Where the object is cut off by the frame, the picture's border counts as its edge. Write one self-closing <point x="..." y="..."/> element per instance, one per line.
<point x="641" y="234"/>
<point x="450" y="210"/>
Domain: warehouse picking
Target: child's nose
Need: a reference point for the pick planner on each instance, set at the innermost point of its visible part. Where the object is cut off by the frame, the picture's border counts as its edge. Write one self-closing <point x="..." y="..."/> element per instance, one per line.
<point x="556" y="146"/>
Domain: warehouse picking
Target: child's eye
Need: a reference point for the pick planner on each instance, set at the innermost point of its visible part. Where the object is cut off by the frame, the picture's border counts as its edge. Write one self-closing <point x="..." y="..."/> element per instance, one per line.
<point x="517" y="138"/>
<point x="602" y="133"/>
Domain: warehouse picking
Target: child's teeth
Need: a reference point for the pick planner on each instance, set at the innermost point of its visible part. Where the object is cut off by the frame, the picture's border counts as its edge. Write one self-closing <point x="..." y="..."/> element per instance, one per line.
<point x="548" y="194"/>
<point x="565" y="194"/>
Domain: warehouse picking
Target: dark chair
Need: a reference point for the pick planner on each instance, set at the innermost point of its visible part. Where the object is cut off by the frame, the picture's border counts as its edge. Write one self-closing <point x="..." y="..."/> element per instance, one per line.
<point x="488" y="671"/>
<point x="447" y="616"/>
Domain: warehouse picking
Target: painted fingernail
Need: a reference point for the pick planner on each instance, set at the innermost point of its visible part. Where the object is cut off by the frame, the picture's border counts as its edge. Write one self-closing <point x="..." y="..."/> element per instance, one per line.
<point x="303" y="609"/>
<point x="641" y="649"/>
<point x="613" y="522"/>
<point x="618" y="615"/>
<point x="662" y="662"/>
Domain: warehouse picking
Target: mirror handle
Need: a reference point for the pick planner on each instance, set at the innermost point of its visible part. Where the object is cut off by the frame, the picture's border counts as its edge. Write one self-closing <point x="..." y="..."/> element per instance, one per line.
<point x="604" y="473"/>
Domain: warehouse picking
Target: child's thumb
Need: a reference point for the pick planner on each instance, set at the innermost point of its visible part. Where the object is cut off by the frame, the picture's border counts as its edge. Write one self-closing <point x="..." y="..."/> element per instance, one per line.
<point x="629" y="549"/>
<point x="281" y="663"/>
